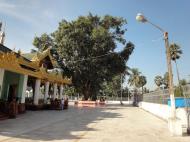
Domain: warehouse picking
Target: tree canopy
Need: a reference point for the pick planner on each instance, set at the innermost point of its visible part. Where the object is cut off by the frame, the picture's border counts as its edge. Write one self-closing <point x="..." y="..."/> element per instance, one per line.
<point x="162" y="81"/>
<point x="134" y="78"/>
<point x="85" y="49"/>
<point x="87" y="46"/>
<point x="43" y="42"/>
<point x="158" y="80"/>
<point x="175" y="51"/>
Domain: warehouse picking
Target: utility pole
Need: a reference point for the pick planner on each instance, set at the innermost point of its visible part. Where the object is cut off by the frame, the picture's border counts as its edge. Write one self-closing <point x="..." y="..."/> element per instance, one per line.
<point x="171" y="88"/>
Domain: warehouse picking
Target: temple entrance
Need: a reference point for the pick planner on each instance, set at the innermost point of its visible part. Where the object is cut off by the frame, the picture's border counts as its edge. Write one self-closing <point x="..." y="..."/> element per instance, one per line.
<point x="12" y="93"/>
<point x="12" y="88"/>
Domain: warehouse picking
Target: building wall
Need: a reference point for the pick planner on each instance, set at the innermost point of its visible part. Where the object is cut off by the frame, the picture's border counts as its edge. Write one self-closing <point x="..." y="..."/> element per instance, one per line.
<point x="20" y="86"/>
<point x="11" y="78"/>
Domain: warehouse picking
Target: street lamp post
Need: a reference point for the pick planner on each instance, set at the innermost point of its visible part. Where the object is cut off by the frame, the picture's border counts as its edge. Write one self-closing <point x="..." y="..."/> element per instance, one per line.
<point x="172" y="119"/>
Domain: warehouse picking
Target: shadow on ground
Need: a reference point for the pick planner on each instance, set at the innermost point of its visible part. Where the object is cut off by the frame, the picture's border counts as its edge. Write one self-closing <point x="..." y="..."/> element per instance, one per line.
<point x="55" y="125"/>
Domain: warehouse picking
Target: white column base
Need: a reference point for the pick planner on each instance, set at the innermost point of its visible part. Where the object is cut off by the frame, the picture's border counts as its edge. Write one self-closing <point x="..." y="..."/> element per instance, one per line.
<point x="175" y="126"/>
<point x="24" y="89"/>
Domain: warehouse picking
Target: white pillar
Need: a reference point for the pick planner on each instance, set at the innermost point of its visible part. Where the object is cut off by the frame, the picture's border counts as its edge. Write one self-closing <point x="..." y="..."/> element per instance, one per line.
<point x="37" y="91"/>
<point x="61" y="91"/>
<point x="2" y="71"/>
<point x="24" y="89"/>
<point x="46" y="91"/>
<point x="54" y="90"/>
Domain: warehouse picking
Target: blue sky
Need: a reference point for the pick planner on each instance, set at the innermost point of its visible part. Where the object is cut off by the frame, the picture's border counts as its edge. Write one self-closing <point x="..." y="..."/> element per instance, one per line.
<point x="27" y="18"/>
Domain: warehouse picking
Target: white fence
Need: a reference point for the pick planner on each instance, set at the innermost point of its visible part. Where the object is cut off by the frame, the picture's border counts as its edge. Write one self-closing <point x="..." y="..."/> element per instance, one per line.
<point x="156" y="103"/>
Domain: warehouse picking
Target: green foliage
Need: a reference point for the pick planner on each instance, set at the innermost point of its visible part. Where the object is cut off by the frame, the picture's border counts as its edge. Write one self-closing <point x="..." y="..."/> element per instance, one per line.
<point x="158" y="80"/>
<point x="178" y="92"/>
<point x="175" y="51"/>
<point x="43" y="42"/>
<point x="142" y="81"/>
<point x="69" y="90"/>
<point x="179" y="89"/>
<point x="166" y="80"/>
<point x="112" y="87"/>
<point x="183" y="82"/>
<point x="86" y="48"/>
<point x="134" y="77"/>
<point x="162" y="81"/>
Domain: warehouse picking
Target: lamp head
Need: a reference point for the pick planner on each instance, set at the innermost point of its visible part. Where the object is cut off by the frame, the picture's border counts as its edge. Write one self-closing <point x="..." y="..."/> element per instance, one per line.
<point x="140" y="17"/>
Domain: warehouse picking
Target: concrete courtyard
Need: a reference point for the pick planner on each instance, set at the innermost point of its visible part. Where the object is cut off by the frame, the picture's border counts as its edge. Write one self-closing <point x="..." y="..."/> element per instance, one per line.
<point x="112" y="123"/>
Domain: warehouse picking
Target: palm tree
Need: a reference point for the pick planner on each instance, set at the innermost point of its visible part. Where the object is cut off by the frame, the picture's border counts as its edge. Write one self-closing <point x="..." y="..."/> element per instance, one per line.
<point x="134" y="77"/>
<point x="142" y="82"/>
<point x="158" y="80"/>
<point x="175" y="52"/>
<point x="133" y="80"/>
<point x="166" y="80"/>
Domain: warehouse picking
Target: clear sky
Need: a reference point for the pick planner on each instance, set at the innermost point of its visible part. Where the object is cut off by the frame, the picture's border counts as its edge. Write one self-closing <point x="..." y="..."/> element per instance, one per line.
<point x="27" y="18"/>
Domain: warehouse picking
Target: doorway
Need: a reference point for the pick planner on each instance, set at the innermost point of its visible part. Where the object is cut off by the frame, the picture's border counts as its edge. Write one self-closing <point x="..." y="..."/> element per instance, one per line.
<point x="12" y="93"/>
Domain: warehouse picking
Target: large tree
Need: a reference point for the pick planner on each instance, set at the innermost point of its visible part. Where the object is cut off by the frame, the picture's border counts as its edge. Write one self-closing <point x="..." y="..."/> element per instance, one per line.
<point x="43" y="42"/>
<point x="86" y="47"/>
<point x="175" y="51"/>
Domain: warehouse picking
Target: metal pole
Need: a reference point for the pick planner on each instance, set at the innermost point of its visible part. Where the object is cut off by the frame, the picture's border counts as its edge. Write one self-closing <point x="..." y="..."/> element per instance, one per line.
<point x="169" y="65"/>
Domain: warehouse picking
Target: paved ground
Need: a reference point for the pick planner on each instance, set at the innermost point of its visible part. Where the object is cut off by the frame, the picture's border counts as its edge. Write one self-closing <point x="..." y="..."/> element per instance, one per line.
<point x="110" y="124"/>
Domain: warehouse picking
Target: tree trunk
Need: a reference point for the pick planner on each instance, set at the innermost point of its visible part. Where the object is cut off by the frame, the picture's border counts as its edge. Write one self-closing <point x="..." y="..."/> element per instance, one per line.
<point x="86" y="91"/>
<point x="86" y="95"/>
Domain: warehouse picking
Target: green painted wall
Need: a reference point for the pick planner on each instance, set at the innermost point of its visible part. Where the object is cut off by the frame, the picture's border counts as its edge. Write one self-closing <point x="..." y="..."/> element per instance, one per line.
<point x="20" y="86"/>
<point x="11" y="78"/>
